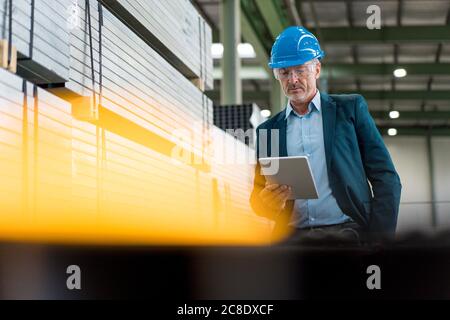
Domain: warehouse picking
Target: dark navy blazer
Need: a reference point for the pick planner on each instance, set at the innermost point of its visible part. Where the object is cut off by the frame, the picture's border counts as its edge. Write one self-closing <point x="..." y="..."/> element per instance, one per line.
<point x="355" y="155"/>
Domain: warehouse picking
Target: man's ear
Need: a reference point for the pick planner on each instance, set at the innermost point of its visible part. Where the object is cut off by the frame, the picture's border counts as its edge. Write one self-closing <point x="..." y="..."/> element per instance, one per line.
<point x="318" y="69"/>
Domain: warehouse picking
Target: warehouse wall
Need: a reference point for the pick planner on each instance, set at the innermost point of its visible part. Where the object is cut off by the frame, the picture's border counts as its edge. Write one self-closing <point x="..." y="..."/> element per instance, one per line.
<point x="411" y="161"/>
<point x="441" y="150"/>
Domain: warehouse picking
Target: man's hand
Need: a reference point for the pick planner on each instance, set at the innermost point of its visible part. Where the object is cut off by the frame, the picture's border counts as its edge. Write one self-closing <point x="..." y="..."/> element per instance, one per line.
<point x="274" y="197"/>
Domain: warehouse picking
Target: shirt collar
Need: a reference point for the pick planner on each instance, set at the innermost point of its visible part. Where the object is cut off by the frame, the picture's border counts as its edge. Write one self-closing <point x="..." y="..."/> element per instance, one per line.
<point x="315" y="103"/>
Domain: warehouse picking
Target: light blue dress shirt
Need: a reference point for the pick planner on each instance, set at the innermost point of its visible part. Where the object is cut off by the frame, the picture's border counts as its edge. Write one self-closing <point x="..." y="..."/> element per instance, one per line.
<point x="304" y="137"/>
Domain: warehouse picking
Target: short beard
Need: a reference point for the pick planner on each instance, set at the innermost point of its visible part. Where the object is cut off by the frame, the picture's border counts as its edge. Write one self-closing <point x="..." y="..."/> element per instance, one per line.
<point x="298" y="97"/>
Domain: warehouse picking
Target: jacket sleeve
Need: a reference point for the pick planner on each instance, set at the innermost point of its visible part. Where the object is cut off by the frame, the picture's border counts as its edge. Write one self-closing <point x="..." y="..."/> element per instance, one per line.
<point x="379" y="170"/>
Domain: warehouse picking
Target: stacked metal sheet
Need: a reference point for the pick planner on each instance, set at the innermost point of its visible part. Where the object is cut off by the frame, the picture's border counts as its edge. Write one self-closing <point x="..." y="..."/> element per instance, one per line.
<point x="39" y="32"/>
<point x="136" y="82"/>
<point x="90" y="180"/>
<point x="175" y="29"/>
<point x="86" y="162"/>
<point x="164" y="196"/>
<point x="50" y="135"/>
<point x="233" y="168"/>
<point x="68" y="177"/>
<point x="11" y="145"/>
<point x="36" y="148"/>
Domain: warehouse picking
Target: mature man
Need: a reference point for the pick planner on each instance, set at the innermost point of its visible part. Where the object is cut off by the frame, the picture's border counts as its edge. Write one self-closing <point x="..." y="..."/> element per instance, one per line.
<point x="344" y="147"/>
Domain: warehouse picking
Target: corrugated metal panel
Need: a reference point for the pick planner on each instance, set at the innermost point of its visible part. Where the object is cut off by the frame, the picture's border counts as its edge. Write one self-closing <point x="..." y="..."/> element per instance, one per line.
<point x="138" y="84"/>
<point x="85" y="170"/>
<point x="37" y="130"/>
<point x="233" y="167"/>
<point x="46" y="58"/>
<point x="177" y="25"/>
<point x="69" y="178"/>
<point x="11" y="146"/>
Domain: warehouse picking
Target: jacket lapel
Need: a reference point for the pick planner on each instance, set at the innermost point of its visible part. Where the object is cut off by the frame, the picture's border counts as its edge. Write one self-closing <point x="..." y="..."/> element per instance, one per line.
<point x="329" y="123"/>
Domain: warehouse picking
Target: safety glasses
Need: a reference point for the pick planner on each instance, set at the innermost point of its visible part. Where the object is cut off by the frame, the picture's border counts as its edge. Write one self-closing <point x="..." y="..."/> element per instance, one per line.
<point x="300" y="72"/>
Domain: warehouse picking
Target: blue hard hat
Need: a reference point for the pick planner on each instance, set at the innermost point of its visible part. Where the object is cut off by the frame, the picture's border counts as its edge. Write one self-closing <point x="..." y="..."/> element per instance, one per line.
<point x="294" y="46"/>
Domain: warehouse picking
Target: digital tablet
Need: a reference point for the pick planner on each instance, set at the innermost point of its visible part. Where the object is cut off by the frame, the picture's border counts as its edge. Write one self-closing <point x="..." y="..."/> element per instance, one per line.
<point x="292" y="171"/>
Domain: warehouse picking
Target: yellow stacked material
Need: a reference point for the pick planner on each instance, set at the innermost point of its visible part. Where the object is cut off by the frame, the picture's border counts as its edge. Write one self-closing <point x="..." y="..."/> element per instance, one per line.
<point x="71" y="181"/>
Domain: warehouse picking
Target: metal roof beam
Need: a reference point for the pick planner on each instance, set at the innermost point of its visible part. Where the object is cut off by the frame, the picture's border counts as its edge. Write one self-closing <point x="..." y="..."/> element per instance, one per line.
<point x="272" y="18"/>
<point x="407" y="95"/>
<point x="368" y="95"/>
<point x="345" y="70"/>
<point x="416" y="131"/>
<point x="251" y="36"/>
<point x="339" y="70"/>
<point x="413" y="115"/>
<point x="385" y="34"/>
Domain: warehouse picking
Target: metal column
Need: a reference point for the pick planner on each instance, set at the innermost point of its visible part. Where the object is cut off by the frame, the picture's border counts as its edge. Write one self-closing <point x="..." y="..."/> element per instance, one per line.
<point x="432" y="186"/>
<point x="231" y="87"/>
<point x="277" y="98"/>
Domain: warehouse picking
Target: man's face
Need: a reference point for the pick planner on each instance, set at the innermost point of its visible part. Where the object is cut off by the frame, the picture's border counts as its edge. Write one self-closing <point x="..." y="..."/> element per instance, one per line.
<point x="299" y="82"/>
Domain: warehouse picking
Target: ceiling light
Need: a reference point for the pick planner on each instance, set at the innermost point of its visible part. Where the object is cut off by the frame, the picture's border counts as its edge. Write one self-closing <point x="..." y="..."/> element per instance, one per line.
<point x="265" y="113"/>
<point x="245" y="50"/>
<point x="217" y="51"/>
<point x="394" y="114"/>
<point x="392" y="132"/>
<point x="400" y="73"/>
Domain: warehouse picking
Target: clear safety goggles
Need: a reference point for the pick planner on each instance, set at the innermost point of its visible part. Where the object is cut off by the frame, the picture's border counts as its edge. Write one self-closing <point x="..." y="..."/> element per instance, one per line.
<point x="300" y="72"/>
